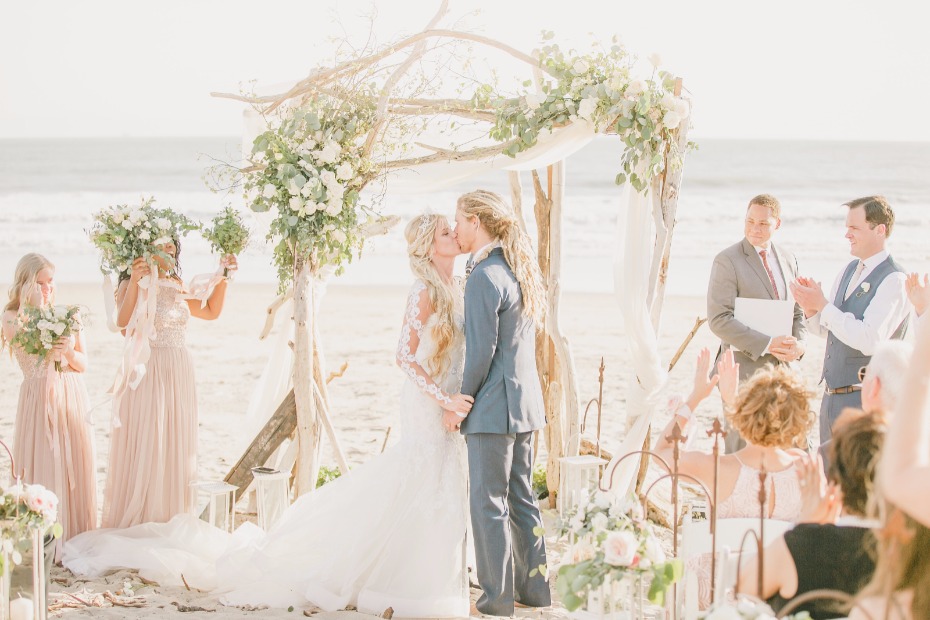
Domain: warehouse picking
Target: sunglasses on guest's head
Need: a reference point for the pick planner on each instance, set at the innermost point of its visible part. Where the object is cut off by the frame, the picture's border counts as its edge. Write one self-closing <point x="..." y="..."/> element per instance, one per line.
<point x="862" y="374"/>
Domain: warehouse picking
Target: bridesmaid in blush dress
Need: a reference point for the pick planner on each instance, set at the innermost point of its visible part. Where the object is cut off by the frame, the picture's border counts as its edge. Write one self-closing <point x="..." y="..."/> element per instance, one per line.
<point x="153" y="443"/>
<point x="53" y="441"/>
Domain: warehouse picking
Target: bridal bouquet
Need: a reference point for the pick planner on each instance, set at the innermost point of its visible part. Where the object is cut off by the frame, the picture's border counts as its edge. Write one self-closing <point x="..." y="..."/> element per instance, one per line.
<point x="611" y="539"/>
<point x="123" y="233"/>
<point x="39" y="328"/>
<point x="24" y="509"/>
<point x="227" y="234"/>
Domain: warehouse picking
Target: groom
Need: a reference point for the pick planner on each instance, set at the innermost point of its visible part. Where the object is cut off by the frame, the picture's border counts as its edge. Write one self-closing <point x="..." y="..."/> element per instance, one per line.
<point x="500" y="373"/>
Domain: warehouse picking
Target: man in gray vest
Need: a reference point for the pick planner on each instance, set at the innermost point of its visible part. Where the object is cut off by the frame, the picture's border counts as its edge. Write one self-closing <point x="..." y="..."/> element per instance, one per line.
<point x="868" y="304"/>
<point x="504" y="303"/>
<point x="754" y="268"/>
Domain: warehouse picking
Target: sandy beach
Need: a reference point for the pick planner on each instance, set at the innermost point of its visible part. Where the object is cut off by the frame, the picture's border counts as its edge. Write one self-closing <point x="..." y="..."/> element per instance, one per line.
<point x="360" y="326"/>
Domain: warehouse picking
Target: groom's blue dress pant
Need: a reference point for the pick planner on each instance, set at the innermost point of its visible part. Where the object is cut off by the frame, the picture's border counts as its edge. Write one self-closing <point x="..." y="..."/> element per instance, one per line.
<point x="504" y="514"/>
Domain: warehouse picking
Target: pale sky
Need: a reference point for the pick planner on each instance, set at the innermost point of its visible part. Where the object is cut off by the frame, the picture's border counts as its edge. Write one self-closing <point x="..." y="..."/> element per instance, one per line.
<point x="814" y="69"/>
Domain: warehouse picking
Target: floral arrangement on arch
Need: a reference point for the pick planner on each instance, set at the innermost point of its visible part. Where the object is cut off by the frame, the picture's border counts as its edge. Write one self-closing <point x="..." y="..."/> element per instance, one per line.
<point x="597" y="87"/>
<point x="123" y="233"/>
<point x="309" y="168"/>
<point x="25" y="508"/>
<point x="610" y="539"/>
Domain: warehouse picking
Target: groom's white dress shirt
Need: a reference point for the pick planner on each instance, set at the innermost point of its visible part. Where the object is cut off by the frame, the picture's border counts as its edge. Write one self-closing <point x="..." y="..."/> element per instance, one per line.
<point x="884" y="314"/>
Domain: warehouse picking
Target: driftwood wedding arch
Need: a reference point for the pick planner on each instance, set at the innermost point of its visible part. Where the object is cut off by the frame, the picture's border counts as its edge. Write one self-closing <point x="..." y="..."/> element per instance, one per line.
<point x="391" y="106"/>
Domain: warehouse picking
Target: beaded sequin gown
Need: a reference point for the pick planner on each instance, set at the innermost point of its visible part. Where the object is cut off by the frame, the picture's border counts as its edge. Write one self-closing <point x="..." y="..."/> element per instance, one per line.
<point x="153" y="453"/>
<point x="53" y="443"/>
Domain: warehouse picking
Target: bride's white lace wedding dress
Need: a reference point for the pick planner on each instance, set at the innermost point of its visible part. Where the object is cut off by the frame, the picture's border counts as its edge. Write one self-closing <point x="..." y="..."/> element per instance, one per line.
<point x="391" y="533"/>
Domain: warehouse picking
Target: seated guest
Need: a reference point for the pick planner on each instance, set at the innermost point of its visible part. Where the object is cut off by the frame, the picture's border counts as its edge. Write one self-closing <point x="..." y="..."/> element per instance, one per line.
<point x="772" y="413"/>
<point x="826" y="552"/>
<point x="900" y="589"/>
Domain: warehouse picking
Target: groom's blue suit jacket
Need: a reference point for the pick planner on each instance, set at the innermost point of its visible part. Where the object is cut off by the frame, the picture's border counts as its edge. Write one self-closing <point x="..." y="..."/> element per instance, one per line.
<point x="500" y="353"/>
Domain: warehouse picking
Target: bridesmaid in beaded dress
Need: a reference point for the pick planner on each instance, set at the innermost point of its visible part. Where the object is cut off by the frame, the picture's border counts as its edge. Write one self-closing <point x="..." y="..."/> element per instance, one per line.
<point x="53" y="441"/>
<point x="153" y="444"/>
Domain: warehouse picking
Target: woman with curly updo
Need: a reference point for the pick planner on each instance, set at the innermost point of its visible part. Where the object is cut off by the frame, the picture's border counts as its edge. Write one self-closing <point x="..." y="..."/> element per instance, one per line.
<point x="772" y="413"/>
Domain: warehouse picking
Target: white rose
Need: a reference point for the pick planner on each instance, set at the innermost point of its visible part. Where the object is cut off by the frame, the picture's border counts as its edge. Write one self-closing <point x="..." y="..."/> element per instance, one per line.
<point x="308" y="145"/>
<point x="329" y="153"/>
<point x="620" y="548"/>
<point x="328" y="177"/>
<point x="334" y="207"/>
<point x="162" y="241"/>
<point x="532" y="101"/>
<point x="312" y="207"/>
<point x="345" y="172"/>
<point x="163" y="223"/>
<point x="117" y="240"/>
<point x="587" y="107"/>
<point x="601" y="500"/>
<point x="145" y="235"/>
<point x="336" y="190"/>
<point x="583" y="551"/>
<point x="580" y="66"/>
<point x="599" y="521"/>
<point x="136" y="217"/>
<point x="656" y="60"/>
<point x="118" y="217"/>
<point x="269" y="190"/>
<point x="682" y="107"/>
<point x="128" y="225"/>
<point x="295" y="203"/>
<point x="339" y="236"/>
<point x="654" y="551"/>
<point x="576" y="522"/>
<point x="635" y="88"/>
<point x="671" y="119"/>
<point x="667" y="101"/>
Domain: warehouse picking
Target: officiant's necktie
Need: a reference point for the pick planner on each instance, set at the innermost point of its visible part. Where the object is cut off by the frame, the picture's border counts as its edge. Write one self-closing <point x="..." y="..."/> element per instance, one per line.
<point x="765" y="263"/>
<point x="854" y="280"/>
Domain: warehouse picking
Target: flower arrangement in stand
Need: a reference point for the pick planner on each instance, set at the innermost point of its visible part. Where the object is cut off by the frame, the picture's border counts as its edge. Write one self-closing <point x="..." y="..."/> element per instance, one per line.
<point x="613" y="548"/>
<point x="39" y="328"/>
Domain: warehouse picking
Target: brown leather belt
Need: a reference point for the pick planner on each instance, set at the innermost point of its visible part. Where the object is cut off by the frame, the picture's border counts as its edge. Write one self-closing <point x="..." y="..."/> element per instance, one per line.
<point x="846" y="389"/>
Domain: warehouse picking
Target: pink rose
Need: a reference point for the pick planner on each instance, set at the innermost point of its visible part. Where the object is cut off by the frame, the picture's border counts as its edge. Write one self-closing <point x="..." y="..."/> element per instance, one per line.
<point x="620" y="549"/>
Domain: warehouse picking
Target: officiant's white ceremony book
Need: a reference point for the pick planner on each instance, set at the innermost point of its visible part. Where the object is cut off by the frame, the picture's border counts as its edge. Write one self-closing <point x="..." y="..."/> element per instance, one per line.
<point x="770" y="316"/>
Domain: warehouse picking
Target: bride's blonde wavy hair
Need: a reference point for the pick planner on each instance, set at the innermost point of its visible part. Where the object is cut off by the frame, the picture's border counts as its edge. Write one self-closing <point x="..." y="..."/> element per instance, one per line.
<point x="420" y="234"/>
<point x="500" y="221"/>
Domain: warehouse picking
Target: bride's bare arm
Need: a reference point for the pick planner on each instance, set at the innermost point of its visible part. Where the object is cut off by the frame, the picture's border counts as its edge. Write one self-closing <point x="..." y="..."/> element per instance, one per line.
<point x="904" y="471"/>
<point x="417" y="313"/>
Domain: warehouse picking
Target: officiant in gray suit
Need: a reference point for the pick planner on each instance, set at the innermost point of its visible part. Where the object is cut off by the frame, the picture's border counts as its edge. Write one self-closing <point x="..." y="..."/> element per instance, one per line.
<point x="754" y="268"/>
<point x="504" y="304"/>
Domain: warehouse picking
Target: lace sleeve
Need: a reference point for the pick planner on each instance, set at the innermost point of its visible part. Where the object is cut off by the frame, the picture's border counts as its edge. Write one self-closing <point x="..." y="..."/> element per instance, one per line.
<point x="414" y="317"/>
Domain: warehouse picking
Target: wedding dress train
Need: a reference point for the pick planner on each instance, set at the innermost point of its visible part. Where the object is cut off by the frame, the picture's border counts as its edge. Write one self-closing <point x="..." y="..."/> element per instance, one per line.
<point x="390" y="533"/>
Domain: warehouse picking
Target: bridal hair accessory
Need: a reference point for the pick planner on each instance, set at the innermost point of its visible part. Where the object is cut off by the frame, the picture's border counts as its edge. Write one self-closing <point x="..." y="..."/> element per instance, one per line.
<point x="425" y="221"/>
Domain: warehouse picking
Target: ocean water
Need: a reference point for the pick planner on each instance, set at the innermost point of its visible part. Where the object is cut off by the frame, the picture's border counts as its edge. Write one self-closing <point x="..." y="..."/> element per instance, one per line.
<point x="50" y="188"/>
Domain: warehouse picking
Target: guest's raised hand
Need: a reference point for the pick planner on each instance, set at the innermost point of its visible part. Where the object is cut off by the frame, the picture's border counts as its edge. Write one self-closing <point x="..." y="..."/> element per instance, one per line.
<point x="918" y="292"/>
<point x="728" y="377"/>
<point x="703" y="382"/>
<point x="461" y="403"/>
<point x="140" y="268"/>
<point x="820" y="502"/>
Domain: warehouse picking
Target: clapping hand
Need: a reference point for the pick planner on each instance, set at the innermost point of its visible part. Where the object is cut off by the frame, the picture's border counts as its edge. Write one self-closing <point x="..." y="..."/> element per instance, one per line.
<point x="728" y="377"/>
<point x="820" y="502"/>
<point x="918" y="292"/>
<point x="809" y="295"/>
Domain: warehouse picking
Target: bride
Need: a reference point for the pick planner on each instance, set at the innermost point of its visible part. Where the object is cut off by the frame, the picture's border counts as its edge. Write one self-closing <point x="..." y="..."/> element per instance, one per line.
<point x="388" y="534"/>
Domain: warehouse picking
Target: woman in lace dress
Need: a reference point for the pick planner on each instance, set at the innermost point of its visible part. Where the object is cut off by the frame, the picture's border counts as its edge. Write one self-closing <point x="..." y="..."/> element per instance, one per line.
<point x="153" y="445"/>
<point x="53" y="439"/>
